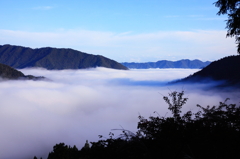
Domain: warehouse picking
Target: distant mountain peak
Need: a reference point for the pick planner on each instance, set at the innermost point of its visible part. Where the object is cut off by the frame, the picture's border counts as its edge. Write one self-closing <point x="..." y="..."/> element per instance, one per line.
<point x="225" y="69"/>
<point x="53" y="58"/>
<point x="184" y="63"/>
<point x="9" y="73"/>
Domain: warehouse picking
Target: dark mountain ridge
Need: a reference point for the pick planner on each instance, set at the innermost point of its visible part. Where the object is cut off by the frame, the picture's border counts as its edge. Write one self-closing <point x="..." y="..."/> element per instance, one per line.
<point x="53" y="58"/>
<point x="185" y="63"/>
<point x="226" y="69"/>
<point x="9" y="73"/>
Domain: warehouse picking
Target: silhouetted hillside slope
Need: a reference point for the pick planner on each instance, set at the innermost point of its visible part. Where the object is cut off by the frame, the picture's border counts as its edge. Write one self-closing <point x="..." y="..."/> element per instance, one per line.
<point x="53" y="58"/>
<point x="6" y="72"/>
<point x="226" y="69"/>
<point x="168" y="64"/>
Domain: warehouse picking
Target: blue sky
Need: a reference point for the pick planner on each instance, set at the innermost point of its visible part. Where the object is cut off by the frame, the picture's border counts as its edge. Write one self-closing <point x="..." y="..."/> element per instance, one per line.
<point x="123" y="30"/>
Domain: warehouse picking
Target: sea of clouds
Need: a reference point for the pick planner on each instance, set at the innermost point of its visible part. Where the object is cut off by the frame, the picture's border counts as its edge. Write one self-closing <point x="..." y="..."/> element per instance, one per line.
<point x="73" y="106"/>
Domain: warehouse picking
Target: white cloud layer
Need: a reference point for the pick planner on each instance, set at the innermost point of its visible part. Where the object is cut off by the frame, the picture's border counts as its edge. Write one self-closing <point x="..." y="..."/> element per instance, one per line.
<point x="130" y="47"/>
<point x="79" y="105"/>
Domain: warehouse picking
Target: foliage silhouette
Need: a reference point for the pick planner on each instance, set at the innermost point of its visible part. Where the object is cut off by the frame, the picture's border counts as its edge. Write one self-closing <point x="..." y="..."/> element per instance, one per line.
<point x="62" y="151"/>
<point x="176" y="103"/>
<point x="212" y="132"/>
<point x="232" y="9"/>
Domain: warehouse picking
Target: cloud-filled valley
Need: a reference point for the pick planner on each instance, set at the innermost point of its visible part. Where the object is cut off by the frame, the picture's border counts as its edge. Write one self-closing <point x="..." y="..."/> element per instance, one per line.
<point x="73" y="106"/>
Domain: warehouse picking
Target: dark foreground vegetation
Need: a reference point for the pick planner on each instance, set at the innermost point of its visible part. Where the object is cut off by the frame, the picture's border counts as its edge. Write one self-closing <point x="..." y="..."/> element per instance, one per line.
<point x="211" y="133"/>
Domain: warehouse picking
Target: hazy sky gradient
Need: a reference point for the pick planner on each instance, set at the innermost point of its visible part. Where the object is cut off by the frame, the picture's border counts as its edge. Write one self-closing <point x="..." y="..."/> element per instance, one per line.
<point x="123" y="30"/>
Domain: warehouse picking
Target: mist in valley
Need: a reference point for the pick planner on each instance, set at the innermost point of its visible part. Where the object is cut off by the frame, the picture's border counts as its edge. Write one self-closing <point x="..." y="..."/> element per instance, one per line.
<point x="73" y="106"/>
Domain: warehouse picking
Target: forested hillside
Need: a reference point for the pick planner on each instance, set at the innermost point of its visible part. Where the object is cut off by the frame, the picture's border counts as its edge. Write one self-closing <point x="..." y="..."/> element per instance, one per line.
<point x="8" y="73"/>
<point x="167" y="64"/>
<point x="226" y="69"/>
<point x="53" y="58"/>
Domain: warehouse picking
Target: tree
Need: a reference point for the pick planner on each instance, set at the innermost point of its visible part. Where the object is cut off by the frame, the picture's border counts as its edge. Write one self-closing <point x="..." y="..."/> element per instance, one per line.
<point x="211" y="132"/>
<point x="232" y="9"/>
<point x="62" y="151"/>
<point x="175" y="103"/>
